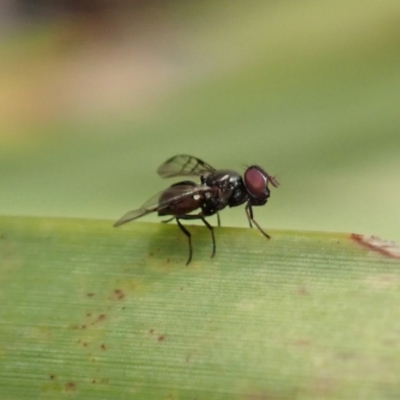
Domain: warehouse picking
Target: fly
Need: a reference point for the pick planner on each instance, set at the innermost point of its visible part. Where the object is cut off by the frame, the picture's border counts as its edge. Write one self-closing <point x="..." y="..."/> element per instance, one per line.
<point x="217" y="189"/>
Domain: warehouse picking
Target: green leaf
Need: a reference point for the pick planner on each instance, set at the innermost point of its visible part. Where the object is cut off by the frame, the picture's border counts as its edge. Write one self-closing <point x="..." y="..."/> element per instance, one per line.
<point x="92" y="312"/>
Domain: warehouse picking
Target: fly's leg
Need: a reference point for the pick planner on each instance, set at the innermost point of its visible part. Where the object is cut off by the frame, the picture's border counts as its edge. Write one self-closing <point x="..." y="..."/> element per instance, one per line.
<point x="212" y="233"/>
<point x="249" y="212"/>
<point x="168" y="220"/>
<point x="199" y="216"/>
<point x="219" y="220"/>
<point x="189" y="236"/>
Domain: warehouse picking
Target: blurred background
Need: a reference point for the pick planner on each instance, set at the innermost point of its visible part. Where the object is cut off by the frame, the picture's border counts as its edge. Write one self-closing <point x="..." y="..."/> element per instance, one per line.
<point x="95" y="94"/>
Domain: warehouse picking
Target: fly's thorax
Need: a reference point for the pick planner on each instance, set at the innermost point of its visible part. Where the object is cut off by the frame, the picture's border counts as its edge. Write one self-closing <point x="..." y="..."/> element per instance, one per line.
<point x="238" y="193"/>
<point x="224" y="179"/>
<point x="229" y="190"/>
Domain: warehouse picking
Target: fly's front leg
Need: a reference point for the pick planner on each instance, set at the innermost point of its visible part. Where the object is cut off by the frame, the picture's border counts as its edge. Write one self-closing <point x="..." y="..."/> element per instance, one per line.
<point x="249" y="212"/>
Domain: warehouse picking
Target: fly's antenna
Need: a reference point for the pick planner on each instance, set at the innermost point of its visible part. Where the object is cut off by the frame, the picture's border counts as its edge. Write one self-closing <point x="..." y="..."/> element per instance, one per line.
<point x="274" y="181"/>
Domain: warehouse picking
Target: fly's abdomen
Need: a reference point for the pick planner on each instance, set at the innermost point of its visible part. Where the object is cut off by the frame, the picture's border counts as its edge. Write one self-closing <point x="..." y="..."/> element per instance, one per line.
<point x="179" y="204"/>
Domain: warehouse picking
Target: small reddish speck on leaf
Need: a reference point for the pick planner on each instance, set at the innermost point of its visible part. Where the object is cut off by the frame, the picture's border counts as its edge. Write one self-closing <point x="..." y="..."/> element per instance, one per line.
<point x="119" y="294"/>
<point x="70" y="386"/>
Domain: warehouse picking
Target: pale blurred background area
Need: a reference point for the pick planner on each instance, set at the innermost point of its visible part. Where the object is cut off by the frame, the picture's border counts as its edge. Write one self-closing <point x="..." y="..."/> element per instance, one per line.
<point x="95" y="94"/>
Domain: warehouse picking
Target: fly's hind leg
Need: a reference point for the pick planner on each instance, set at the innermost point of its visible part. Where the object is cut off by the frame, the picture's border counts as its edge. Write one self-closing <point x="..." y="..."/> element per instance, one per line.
<point x="189" y="236"/>
<point x="206" y="223"/>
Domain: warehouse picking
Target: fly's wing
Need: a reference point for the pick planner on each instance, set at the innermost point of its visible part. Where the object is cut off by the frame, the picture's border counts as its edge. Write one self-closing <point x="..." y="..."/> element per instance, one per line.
<point x="177" y="192"/>
<point x="184" y="165"/>
<point x="135" y="214"/>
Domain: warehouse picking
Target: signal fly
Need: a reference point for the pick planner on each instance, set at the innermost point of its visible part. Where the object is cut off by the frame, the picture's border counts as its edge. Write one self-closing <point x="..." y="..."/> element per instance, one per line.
<point x="217" y="189"/>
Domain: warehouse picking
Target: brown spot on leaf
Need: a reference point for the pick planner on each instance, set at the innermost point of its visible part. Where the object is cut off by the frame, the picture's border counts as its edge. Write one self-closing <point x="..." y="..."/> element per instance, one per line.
<point x="384" y="247"/>
<point x="103" y="346"/>
<point x="303" y="291"/>
<point x="70" y="386"/>
<point x="102" y="317"/>
<point x="161" y="338"/>
<point x="90" y="295"/>
<point x="119" y="294"/>
<point x="52" y="376"/>
<point x="89" y="314"/>
<point x="94" y="381"/>
<point x="151" y="331"/>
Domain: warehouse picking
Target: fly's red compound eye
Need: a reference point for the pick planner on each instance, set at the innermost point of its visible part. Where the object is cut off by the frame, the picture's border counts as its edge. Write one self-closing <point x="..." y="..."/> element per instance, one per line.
<point x="255" y="180"/>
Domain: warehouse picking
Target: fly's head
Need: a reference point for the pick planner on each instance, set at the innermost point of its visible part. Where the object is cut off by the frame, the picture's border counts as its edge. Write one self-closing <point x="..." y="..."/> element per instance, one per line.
<point x="256" y="181"/>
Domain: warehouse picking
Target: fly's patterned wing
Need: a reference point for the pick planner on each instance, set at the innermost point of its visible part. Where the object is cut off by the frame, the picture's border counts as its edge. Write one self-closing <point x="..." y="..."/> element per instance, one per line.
<point x="176" y="192"/>
<point x="184" y="165"/>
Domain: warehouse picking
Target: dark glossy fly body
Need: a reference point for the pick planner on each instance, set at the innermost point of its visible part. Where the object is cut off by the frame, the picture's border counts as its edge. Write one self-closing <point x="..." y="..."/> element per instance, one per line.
<point x="217" y="189"/>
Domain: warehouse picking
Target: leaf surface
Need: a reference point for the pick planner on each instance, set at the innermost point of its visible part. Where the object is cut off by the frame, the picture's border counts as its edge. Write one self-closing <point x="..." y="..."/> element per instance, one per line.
<point x="92" y="312"/>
